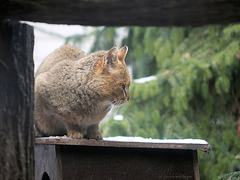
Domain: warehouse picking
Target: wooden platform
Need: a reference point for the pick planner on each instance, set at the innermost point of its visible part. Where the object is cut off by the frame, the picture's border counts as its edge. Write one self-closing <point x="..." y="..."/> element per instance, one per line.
<point x="117" y="158"/>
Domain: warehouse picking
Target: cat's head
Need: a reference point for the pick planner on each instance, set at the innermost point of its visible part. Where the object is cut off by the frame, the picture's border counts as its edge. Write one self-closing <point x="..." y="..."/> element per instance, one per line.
<point x="113" y="71"/>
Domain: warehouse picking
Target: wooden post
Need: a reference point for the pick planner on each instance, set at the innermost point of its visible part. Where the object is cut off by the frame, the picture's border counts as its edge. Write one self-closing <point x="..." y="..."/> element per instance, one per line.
<point x="16" y="101"/>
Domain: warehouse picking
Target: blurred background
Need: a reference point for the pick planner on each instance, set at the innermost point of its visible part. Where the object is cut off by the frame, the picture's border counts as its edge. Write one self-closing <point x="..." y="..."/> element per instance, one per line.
<point x="186" y="84"/>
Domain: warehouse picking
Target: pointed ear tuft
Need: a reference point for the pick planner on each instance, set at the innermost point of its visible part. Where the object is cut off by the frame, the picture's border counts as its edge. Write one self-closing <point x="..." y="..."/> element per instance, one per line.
<point x="122" y="53"/>
<point x="111" y="58"/>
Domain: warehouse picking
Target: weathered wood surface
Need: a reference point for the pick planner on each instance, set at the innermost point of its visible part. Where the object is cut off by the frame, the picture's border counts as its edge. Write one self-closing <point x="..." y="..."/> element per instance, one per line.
<point x="62" y="157"/>
<point x="90" y="162"/>
<point x="47" y="161"/>
<point x="124" y="12"/>
<point x="16" y="101"/>
<point x="164" y="144"/>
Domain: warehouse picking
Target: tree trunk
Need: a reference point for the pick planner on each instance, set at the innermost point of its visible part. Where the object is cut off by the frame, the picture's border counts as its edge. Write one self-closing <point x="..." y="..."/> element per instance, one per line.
<point x="16" y="101"/>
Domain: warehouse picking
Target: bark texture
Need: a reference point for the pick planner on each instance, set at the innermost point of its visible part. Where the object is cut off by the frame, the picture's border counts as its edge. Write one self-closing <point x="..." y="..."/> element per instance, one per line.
<point x="16" y="101"/>
<point x="124" y="12"/>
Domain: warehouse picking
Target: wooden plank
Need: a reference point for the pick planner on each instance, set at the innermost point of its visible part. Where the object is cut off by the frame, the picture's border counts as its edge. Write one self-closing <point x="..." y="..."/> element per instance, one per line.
<point x="124" y="12"/>
<point x="47" y="162"/>
<point x="163" y="144"/>
<point x="87" y="162"/>
<point x="16" y="101"/>
<point x="195" y="166"/>
<point x="96" y="163"/>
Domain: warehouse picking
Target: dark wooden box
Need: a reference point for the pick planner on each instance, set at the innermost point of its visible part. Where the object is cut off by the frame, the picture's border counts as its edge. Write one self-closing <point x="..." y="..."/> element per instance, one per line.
<point x="59" y="158"/>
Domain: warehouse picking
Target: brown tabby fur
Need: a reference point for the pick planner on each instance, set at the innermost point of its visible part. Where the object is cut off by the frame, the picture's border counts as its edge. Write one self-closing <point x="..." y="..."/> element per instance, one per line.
<point x="74" y="91"/>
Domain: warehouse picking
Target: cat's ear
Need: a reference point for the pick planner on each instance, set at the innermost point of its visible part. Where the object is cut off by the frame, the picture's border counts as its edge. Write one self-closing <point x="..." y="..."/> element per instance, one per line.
<point x="111" y="58"/>
<point x="122" y="53"/>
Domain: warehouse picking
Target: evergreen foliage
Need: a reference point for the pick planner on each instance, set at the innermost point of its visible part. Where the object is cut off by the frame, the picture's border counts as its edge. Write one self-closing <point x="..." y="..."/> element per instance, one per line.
<point x="230" y="176"/>
<point x="195" y="93"/>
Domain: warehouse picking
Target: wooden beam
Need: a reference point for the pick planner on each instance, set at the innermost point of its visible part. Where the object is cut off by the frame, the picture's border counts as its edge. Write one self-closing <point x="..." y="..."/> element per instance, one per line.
<point x="16" y="101"/>
<point x="114" y="142"/>
<point x="123" y="12"/>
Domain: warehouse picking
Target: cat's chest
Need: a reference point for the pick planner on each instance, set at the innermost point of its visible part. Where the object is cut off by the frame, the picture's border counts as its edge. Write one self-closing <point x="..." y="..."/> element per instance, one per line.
<point x="94" y="113"/>
<point x="101" y="109"/>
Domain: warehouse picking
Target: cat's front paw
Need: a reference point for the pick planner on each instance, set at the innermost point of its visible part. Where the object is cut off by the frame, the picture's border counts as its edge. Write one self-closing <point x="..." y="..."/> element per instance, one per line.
<point x="97" y="136"/>
<point x="75" y="135"/>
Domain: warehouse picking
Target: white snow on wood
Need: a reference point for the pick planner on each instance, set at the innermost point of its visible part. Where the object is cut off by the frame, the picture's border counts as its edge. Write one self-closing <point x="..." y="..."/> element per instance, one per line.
<point x="143" y="140"/>
<point x="145" y="79"/>
<point x="150" y="140"/>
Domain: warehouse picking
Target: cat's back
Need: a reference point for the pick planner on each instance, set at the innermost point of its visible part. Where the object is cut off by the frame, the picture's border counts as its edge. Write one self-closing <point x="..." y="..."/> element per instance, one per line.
<point x="58" y="84"/>
<point x="68" y="71"/>
<point x="66" y="52"/>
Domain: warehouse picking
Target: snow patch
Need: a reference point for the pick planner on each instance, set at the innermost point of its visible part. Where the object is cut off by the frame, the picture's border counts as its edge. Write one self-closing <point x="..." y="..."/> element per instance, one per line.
<point x="145" y="79"/>
<point x="150" y="140"/>
<point x="118" y="117"/>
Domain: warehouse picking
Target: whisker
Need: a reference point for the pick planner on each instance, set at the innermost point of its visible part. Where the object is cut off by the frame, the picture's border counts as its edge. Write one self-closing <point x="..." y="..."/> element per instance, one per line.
<point x="108" y="108"/>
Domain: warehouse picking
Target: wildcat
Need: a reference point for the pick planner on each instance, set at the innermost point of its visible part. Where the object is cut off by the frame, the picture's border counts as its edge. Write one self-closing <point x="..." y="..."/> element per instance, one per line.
<point x="74" y="91"/>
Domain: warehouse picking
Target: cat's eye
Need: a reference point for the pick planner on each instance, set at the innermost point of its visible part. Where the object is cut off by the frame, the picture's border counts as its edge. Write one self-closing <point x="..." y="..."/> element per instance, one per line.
<point x="123" y="86"/>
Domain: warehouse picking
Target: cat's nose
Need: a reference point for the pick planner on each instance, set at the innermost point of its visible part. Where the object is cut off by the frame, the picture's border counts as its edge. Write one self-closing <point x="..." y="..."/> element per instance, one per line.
<point x="128" y="98"/>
